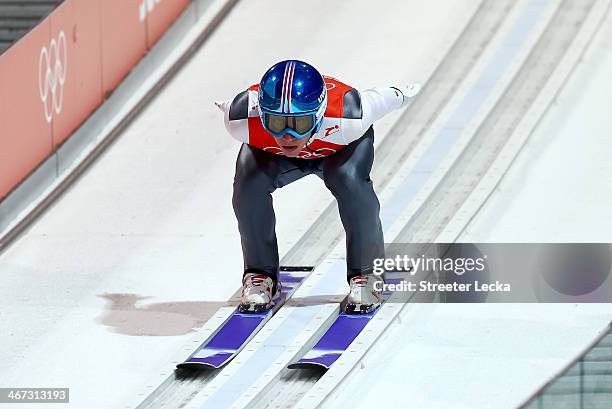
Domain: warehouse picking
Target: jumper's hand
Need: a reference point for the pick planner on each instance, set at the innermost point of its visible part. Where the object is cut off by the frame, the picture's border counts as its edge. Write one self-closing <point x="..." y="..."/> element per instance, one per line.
<point x="409" y="92"/>
<point x="223" y="105"/>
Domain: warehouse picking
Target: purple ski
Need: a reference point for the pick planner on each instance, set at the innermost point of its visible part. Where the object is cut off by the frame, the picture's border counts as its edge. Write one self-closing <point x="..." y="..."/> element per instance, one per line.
<point x="240" y="327"/>
<point x="334" y="342"/>
<point x="338" y="337"/>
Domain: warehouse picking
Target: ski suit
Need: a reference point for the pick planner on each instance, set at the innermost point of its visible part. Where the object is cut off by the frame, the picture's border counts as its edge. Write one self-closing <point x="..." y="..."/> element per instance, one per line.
<point x="341" y="153"/>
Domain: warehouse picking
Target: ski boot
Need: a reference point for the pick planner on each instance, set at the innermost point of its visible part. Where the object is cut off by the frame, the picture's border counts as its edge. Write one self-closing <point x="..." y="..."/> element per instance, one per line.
<point x="257" y="293"/>
<point x="363" y="296"/>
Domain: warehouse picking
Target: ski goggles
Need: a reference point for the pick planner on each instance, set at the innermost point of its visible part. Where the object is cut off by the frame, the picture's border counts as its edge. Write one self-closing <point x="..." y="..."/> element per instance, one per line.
<point x="297" y="125"/>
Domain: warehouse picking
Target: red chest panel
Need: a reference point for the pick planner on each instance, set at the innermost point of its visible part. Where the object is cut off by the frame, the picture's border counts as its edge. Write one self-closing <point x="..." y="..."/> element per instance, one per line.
<point x="260" y="138"/>
<point x="335" y="97"/>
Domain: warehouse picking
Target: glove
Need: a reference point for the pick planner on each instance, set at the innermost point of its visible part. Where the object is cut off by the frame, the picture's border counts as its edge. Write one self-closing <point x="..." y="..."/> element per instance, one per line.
<point x="409" y="92"/>
<point x="223" y="106"/>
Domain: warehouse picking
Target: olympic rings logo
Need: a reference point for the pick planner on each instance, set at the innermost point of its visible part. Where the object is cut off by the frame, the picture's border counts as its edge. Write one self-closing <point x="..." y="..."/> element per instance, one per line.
<point x="303" y="155"/>
<point x="52" y="70"/>
<point x="273" y="149"/>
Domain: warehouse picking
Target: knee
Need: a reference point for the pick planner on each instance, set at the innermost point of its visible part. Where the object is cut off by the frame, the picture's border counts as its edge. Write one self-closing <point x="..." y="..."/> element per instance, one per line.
<point x="344" y="179"/>
<point x="251" y="185"/>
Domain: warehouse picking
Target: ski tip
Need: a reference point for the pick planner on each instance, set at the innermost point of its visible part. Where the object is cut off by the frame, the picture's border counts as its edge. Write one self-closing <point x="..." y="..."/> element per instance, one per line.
<point x="197" y="366"/>
<point x="308" y="365"/>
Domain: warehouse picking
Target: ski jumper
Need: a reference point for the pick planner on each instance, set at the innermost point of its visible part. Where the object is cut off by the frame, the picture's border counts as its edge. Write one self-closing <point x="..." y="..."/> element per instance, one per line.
<point x="341" y="153"/>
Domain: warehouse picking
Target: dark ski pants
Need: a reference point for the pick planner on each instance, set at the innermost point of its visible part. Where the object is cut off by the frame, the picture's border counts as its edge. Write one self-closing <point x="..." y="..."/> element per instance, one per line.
<point x="346" y="174"/>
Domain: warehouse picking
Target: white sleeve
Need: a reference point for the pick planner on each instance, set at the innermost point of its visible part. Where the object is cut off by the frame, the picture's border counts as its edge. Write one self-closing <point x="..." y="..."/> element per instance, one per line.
<point x="237" y="128"/>
<point x="378" y="102"/>
<point x="375" y="103"/>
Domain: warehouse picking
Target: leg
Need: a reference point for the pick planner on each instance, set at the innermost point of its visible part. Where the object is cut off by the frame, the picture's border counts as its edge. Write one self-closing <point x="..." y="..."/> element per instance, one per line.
<point x="258" y="174"/>
<point x="347" y="176"/>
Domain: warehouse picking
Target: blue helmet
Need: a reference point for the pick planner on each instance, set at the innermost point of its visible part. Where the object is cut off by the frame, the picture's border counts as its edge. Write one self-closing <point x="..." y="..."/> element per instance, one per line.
<point x="292" y="99"/>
